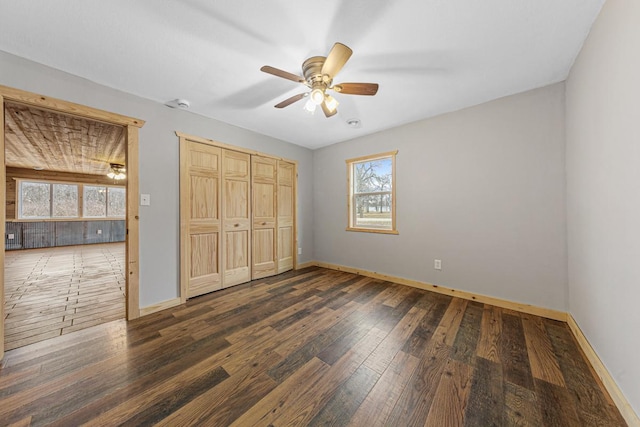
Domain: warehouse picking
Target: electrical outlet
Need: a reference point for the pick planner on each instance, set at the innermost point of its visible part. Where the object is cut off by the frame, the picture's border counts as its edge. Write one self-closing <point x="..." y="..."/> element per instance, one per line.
<point x="437" y="264"/>
<point x="299" y="251"/>
<point x="99" y="231"/>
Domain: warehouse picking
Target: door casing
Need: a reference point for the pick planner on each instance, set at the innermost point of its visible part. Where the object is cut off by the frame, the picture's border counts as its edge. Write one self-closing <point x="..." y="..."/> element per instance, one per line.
<point x="131" y="125"/>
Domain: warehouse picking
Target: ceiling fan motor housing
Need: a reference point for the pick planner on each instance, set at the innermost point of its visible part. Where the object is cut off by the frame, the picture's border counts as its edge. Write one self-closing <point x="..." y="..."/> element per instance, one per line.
<point x="312" y="71"/>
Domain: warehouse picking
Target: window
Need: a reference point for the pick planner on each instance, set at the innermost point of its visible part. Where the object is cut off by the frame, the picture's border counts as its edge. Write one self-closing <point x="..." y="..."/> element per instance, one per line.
<point x="116" y="201"/>
<point x="102" y="201"/>
<point x="65" y="201"/>
<point x="52" y="200"/>
<point x="40" y="200"/>
<point x="372" y="204"/>
<point x="95" y="201"/>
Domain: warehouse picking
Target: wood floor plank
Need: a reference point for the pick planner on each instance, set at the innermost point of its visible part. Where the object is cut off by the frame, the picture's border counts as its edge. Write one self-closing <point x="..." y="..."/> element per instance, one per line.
<point x="557" y="407"/>
<point x="309" y="347"/>
<point x="466" y="342"/>
<point x="311" y="325"/>
<point x="522" y="406"/>
<point x="490" y="334"/>
<point x="380" y="401"/>
<point x="268" y="408"/>
<point x="417" y="397"/>
<point x="302" y="355"/>
<point x="436" y="309"/>
<point x="544" y="365"/>
<point x="584" y="387"/>
<point x="347" y="398"/>
<point x="450" y="399"/>
<point x="513" y="352"/>
<point x="311" y="400"/>
<point x="381" y="357"/>
<point x="486" y="397"/>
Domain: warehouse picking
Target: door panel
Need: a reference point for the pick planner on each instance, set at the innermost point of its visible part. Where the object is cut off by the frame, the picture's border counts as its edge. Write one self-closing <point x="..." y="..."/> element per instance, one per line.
<point x="263" y="253"/>
<point x="200" y="184"/>
<point x="286" y="214"/>
<point x="203" y="196"/>
<point x="237" y="214"/>
<point x="263" y="186"/>
<point x="236" y="218"/>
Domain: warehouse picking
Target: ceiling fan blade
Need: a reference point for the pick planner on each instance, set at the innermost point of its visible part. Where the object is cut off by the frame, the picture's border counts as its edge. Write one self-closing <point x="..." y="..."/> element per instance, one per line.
<point x="284" y="74"/>
<point x="289" y="101"/>
<point x="326" y="110"/>
<point x="369" y="89"/>
<point x="336" y="59"/>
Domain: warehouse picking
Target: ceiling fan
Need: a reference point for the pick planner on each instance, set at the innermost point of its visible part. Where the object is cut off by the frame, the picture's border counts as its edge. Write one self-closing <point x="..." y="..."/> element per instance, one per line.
<point x="319" y="72"/>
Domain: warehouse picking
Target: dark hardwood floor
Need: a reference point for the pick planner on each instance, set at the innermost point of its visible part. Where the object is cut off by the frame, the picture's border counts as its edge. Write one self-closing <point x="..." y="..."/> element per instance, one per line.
<point x="310" y="347"/>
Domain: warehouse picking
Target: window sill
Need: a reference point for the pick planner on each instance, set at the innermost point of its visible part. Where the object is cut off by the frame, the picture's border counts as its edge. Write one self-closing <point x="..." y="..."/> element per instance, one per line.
<point x="372" y="230"/>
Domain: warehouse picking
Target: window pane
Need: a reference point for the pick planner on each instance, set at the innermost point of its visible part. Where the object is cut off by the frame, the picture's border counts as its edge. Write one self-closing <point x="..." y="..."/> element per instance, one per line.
<point x="116" y="202"/>
<point x="65" y="200"/>
<point x="35" y="200"/>
<point x="373" y="176"/>
<point x="373" y="211"/>
<point x="95" y="201"/>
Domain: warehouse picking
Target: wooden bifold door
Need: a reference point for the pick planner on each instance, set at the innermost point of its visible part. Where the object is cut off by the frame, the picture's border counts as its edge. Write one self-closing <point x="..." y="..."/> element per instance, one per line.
<point x="237" y="216"/>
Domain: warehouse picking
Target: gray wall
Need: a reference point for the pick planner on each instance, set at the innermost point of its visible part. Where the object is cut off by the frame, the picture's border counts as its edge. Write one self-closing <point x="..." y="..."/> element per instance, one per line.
<point x="603" y="192"/>
<point x="159" y="175"/>
<point x="482" y="189"/>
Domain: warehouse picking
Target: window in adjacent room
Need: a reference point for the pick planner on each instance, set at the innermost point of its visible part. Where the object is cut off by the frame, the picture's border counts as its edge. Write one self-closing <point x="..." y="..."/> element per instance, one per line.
<point x="39" y="200"/>
<point x="104" y="202"/>
<point x="372" y="193"/>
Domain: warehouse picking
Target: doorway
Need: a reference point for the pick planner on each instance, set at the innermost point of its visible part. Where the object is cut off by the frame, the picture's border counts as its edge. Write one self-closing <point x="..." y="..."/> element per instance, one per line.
<point x="129" y="129"/>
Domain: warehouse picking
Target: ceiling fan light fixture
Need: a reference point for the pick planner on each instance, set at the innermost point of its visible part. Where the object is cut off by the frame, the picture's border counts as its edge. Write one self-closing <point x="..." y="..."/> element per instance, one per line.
<point x="310" y="106"/>
<point x="317" y="96"/>
<point x="117" y="172"/>
<point x="331" y="103"/>
<point x="318" y="73"/>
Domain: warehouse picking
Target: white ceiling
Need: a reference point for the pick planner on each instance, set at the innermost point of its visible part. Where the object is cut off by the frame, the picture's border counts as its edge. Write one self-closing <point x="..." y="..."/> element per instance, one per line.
<point x="429" y="56"/>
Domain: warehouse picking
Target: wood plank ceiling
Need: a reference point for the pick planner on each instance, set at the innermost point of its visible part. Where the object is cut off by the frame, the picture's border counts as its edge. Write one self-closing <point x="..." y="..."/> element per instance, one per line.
<point x="36" y="138"/>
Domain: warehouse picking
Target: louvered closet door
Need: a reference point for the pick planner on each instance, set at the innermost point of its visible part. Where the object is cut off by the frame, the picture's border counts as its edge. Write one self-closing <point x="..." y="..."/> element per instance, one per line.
<point x="286" y="212"/>
<point x="202" y="247"/>
<point x="236" y="217"/>
<point x="263" y="186"/>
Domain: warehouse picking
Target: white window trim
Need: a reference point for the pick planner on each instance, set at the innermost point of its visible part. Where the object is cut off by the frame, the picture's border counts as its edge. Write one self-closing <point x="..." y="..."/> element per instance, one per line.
<point x="351" y="196"/>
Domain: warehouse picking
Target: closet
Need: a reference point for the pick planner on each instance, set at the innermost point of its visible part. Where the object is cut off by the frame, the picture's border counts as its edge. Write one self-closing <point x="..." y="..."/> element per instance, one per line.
<point x="237" y="215"/>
